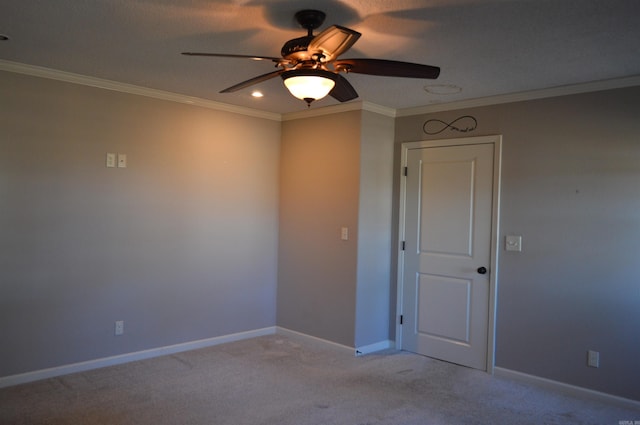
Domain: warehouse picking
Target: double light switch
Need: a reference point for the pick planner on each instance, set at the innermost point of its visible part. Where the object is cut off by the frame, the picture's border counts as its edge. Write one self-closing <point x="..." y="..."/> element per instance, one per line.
<point x="119" y="160"/>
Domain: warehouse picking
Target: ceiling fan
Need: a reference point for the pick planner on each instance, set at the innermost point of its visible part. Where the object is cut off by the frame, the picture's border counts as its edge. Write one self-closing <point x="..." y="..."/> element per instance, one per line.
<point x="310" y="66"/>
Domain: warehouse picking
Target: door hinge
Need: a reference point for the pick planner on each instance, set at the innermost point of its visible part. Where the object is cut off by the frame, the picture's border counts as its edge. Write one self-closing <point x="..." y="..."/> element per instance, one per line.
<point x="406" y="171"/>
<point x="403" y="245"/>
<point x="401" y="319"/>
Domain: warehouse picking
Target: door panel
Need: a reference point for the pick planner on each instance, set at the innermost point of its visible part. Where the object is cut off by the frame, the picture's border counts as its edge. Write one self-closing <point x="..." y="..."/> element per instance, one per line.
<point x="444" y="303"/>
<point x="448" y="216"/>
<point x="448" y="183"/>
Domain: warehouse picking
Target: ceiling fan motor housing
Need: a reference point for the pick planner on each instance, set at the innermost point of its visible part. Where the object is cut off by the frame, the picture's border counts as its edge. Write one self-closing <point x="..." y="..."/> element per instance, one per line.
<point x="296" y="49"/>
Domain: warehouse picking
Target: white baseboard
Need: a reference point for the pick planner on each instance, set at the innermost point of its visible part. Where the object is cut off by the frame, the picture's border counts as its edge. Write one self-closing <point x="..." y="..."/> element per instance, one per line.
<point x="23" y="378"/>
<point x="566" y="388"/>
<point x="372" y="348"/>
<point x="295" y="334"/>
<point x="359" y="351"/>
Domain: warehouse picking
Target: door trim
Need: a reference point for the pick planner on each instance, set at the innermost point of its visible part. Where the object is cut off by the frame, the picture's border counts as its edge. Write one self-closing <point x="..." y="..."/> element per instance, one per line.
<point x="496" y="140"/>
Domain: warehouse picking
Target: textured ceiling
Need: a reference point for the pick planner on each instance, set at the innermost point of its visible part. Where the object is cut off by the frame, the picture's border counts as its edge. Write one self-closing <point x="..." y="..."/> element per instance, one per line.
<point x="484" y="47"/>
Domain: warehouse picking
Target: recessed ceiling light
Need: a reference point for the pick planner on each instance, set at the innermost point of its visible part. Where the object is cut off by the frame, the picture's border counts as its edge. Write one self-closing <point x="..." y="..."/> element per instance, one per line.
<point x="257" y="94"/>
<point x="4" y="37"/>
<point x="442" y="88"/>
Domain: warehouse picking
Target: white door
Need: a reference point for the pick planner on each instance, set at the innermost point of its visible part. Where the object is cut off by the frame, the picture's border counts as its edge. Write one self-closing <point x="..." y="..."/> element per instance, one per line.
<point x="447" y="257"/>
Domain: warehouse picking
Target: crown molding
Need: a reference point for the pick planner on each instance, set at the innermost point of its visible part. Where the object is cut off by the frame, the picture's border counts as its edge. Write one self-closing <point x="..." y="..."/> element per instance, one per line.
<point x="379" y="109"/>
<point x="342" y="107"/>
<point x="524" y="96"/>
<point x="69" y="77"/>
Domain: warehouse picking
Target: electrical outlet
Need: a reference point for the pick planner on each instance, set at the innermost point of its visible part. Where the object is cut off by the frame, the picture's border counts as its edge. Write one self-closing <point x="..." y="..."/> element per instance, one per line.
<point x="593" y="358"/>
<point x="119" y="328"/>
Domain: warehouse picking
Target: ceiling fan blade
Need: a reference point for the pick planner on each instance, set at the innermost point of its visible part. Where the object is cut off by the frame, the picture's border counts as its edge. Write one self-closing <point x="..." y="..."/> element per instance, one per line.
<point x="252" y="81"/>
<point x="333" y="41"/>
<point x="343" y="91"/>
<point x="387" y="68"/>
<point x="224" y="55"/>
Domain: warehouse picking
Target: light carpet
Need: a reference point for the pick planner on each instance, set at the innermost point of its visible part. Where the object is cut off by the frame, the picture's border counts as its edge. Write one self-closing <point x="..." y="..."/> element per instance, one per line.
<point x="278" y="380"/>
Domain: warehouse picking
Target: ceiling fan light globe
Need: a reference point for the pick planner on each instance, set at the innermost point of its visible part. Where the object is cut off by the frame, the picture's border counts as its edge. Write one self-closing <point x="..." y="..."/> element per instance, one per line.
<point x="309" y="86"/>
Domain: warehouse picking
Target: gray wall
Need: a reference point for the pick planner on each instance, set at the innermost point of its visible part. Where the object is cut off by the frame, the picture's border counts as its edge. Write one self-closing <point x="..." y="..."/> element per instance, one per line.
<point x="373" y="305"/>
<point x="571" y="188"/>
<point x="338" y="176"/>
<point x="181" y="245"/>
<point x="319" y="177"/>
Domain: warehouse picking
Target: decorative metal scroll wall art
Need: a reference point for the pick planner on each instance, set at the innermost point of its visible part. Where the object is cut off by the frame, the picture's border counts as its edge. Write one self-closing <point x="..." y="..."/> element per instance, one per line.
<point x="463" y="124"/>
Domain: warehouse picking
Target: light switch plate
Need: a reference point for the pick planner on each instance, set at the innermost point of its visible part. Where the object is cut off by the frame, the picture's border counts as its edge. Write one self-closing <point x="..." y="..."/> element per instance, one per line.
<point x="111" y="160"/>
<point x="122" y="160"/>
<point x="513" y="243"/>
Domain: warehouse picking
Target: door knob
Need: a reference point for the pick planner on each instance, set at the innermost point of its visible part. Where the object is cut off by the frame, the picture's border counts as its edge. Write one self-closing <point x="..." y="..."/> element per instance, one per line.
<point x="482" y="270"/>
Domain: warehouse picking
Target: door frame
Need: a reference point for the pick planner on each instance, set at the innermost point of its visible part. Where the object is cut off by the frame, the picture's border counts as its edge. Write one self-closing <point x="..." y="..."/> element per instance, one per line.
<point x="496" y="140"/>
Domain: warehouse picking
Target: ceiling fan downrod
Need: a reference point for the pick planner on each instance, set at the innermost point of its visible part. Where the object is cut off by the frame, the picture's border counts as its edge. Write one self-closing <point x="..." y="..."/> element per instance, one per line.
<point x="310" y="19"/>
